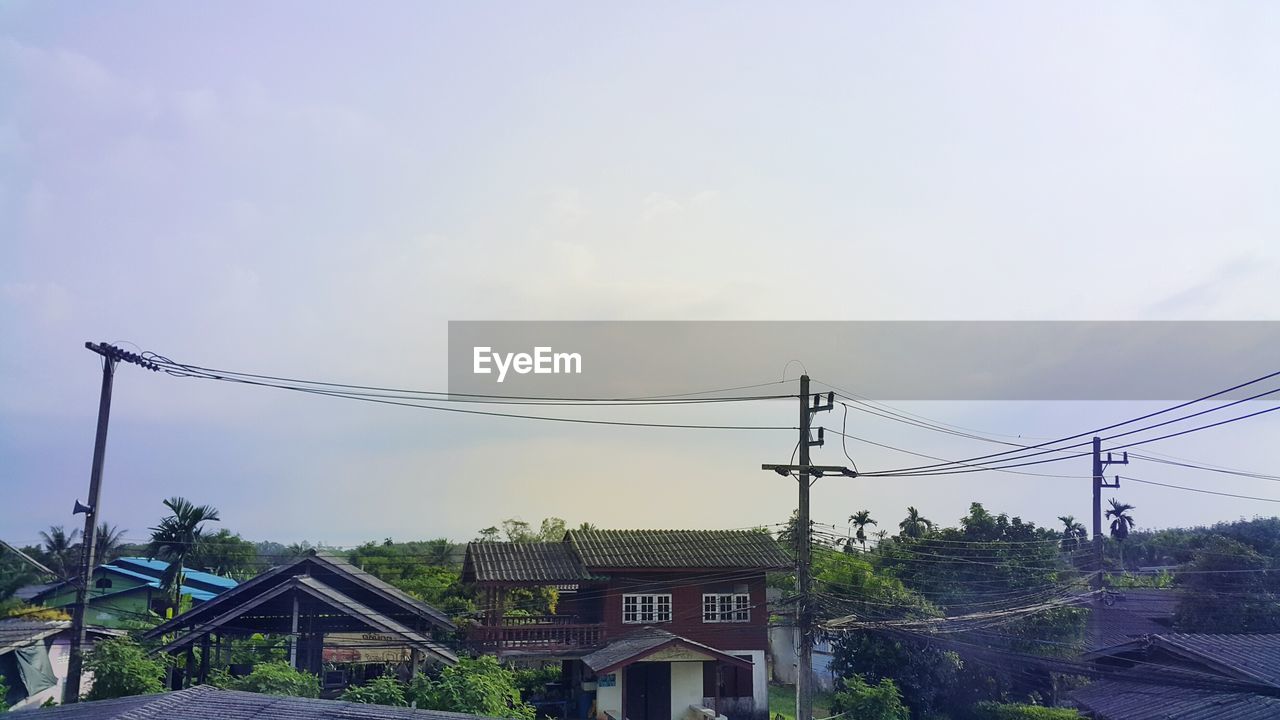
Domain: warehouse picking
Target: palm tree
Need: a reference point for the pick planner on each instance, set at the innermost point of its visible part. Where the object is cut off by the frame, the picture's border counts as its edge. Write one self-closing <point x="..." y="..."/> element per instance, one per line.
<point x="915" y="525"/>
<point x="61" y="549"/>
<point x="1073" y="533"/>
<point x="1121" y="524"/>
<point x="176" y="538"/>
<point x="107" y="545"/>
<point x="861" y="520"/>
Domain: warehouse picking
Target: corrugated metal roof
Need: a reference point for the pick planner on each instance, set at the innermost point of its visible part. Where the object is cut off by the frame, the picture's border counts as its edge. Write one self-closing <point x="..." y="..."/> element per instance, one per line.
<point x="206" y="702"/>
<point x="1125" y="700"/>
<point x="532" y="562"/>
<point x="1248" y="657"/>
<point x="659" y="549"/>
<point x="637" y="645"/>
<point x="191" y="575"/>
<point x="16" y="632"/>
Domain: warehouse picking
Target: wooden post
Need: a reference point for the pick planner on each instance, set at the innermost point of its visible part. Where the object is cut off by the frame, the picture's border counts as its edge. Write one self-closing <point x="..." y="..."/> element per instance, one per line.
<point x="204" y="658"/>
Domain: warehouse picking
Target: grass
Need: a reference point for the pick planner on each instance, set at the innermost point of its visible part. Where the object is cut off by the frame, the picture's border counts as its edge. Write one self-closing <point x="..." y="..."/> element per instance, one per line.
<point x="782" y="702"/>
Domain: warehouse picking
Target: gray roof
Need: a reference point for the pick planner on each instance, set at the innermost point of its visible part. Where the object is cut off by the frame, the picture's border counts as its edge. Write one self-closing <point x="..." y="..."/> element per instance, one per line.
<point x="1132" y="615"/>
<point x="637" y="645"/>
<point x="1125" y="700"/>
<point x="677" y="549"/>
<point x="1247" y="657"/>
<point x="205" y="702"/>
<point x="17" y="632"/>
<point x="533" y="562"/>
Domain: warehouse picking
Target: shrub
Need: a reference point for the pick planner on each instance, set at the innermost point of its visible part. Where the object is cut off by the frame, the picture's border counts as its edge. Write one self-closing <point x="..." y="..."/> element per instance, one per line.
<point x="865" y="701"/>
<point x="478" y="686"/>
<point x="271" y="678"/>
<point x="121" y="668"/>
<point x="385" y="690"/>
<point x="1018" y="711"/>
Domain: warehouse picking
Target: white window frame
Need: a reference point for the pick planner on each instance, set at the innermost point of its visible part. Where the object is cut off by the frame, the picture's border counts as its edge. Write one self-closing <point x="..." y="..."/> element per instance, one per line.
<point x="726" y="607"/>
<point x="646" y="608"/>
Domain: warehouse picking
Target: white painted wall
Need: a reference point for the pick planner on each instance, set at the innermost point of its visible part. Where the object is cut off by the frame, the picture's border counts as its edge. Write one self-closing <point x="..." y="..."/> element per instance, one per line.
<point x="609" y="699"/>
<point x="686" y="689"/>
<point x="759" y="679"/>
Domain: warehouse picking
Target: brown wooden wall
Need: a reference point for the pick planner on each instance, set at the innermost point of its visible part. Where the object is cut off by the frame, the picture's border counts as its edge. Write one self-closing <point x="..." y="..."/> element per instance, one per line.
<point x="686" y="590"/>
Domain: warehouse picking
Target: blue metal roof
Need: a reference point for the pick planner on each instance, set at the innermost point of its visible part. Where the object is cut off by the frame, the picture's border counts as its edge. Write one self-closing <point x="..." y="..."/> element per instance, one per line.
<point x="195" y="593"/>
<point x="191" y="575"/>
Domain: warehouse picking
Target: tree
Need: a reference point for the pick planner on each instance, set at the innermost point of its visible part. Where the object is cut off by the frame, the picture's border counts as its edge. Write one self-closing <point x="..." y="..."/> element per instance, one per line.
<point x="861" y="520"/>
<point x="226" y="553"/>
<point x="59" y="548"/>
<point x="1225" y="591"/>
<point x="177" y="538"/>
<point x="1121" y="523"/>
<point x="107" y="544"/>
<point x="915" y="525"/>
<point x="1074" y="533"/>
<point x="121" y="668"/>
<point x="864" y="701"/>
<point x="477" y="686"/>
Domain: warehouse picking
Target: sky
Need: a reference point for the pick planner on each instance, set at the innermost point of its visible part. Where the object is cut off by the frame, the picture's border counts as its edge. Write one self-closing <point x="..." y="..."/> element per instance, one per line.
<point x="316" y="189"/>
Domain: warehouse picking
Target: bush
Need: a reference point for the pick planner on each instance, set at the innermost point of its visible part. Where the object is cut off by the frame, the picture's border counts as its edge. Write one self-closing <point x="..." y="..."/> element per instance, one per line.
<point x="864" y="701"/>
<point x="121" y="668"/>
<point x="272" y="678"/>
<point x="1017" y="711"/>
<point x="478" y="686"/>
<point x="385" y="690"/>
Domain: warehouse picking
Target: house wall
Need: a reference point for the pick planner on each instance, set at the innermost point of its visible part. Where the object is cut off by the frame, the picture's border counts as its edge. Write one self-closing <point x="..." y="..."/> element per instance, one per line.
<point x="686" y="689"/>
<point x="686" y="591"/>
<point x="609" y="699"/>
<point x="59" y="657"/>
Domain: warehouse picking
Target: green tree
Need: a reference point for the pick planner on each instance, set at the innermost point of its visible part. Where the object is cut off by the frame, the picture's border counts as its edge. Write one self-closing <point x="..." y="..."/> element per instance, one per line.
<point x="176" y="539"/>
<point x="915" y="525"/>
<point x="226" y="553"/>
<point x="1074" y="533"/>
<point x="861" y="520"/>
<point x="859" y="699"/>
<point x="384" y="690"/>
<point x="478" y="686"/>
<point x="1226" y="591"/>
<point x="60" y="549"/>
<point x="272" y="678"/>
<point x="121" y="668"/>
<point x="1121" y="523"/>
<point x="107" y="543"/>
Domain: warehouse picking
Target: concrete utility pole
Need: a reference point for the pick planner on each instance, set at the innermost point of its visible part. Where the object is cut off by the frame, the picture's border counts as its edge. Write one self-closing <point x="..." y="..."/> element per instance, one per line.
<point x="89" y="544"/>
<point x="1099" y="482"/>
<point x="809" y="405"/>
<point x="75" y="664"/>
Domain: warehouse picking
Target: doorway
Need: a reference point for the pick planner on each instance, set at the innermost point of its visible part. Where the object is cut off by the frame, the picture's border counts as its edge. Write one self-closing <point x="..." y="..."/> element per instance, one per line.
<point x="647" y="691"/>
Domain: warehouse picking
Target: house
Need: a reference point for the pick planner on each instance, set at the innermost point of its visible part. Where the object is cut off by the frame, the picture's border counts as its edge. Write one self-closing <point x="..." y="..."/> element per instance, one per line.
<point x="1187" y="676"/>
<point x="649" y="624"/>
<point x="205" y="701"/>
<point x="127" y="590"/>
<point x="1129" y="614"/>
<point x="334" y="614"/>
<point x="33" y="658"/>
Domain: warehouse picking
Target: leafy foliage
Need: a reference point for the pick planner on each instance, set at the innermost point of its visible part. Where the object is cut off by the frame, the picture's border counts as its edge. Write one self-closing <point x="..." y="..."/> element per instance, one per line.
<point x="271" y="678"/>
<point x="1224" y="593"/>
<point x="121" y="668"/>
<point x="479" y="686"/>
<point x="1017" y="711"/>
<point x="226" y="553"/>
<point x="384" y="690"/>
<point x="864" y="701"/>
<point x="177" y="538"/>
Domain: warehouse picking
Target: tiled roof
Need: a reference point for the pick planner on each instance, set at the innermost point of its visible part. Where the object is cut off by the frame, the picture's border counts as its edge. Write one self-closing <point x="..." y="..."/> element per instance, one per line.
<point x="205" y="702"/>
<point x="658" y="549"/>
<point x="637" y="645"/>
<point x="533" y="562"/>
<point x="1125" y="700"/>
<point x="1131" y="615"/>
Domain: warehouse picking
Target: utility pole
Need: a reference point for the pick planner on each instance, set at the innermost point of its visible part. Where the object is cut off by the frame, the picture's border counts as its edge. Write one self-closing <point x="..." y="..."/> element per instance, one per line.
<point x="1099" y="482"/>
<point x="809" y="405"/>
<point x="75" y="663"/>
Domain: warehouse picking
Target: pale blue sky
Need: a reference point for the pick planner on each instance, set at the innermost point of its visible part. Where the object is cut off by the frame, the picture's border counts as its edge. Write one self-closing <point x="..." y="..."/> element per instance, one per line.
<point x="315" y="189"/>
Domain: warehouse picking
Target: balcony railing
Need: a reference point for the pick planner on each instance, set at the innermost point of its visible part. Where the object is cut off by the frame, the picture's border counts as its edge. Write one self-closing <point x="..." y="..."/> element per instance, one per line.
<point x="539" y="633"/>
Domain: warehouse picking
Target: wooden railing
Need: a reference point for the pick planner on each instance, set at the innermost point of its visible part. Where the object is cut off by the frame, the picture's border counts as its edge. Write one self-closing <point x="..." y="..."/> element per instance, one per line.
<point x="537" y="634"/>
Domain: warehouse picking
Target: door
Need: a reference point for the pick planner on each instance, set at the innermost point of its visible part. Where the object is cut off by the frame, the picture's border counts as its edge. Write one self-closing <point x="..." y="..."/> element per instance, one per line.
<point x="646" y="690"/>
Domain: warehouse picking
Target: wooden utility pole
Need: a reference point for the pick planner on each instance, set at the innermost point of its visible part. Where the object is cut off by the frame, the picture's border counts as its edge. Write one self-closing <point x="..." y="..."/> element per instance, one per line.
<point x="804" y="587"/>
<point x="75" y="663"/>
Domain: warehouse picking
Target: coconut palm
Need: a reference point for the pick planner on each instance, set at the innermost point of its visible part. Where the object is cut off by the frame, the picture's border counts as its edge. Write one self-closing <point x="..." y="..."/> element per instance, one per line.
<point x="861" y="520"/>
<point x="915" y="525"/>
<point x="1074" y="533"/>
<point x="1121" y="524"/>
<point x="108" y="542"/>
<point x="60" y="546"/>
<point x="176" y="538"/>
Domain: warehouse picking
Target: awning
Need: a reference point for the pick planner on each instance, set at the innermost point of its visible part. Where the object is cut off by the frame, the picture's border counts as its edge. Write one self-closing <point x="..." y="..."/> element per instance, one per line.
<point x="655" y="645"/>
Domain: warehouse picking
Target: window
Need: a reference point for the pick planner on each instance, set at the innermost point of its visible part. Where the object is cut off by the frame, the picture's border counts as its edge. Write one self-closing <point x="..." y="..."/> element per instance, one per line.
<point x="726" y="607"/>
<point x="653" y="608"/>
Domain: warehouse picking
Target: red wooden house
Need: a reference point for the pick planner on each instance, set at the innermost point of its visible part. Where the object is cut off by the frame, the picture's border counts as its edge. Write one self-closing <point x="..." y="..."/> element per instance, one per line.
<point x="650" y="624"/>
